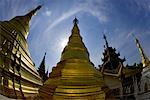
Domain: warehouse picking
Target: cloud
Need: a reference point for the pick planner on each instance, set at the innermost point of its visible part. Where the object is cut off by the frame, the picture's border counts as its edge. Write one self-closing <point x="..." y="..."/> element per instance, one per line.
<point x="48" y="13"/>
<point x="96" y="9"/>
<point x="62" y="17"/>
<point x="143" y="4"/>
<point x="65" y="16"/>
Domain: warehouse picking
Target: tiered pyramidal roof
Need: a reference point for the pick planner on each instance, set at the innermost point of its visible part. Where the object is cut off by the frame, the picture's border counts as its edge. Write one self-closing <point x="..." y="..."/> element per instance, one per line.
<point x="74" y="77"/>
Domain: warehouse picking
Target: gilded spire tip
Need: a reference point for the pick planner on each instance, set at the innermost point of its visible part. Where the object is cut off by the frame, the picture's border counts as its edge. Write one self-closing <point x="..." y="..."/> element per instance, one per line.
<point x="34" y="11"/>
<point x="39" y="7"/>
<point x="136" y="40"/>
<point x="133" y="35"/>
<point x="75" y="21"/>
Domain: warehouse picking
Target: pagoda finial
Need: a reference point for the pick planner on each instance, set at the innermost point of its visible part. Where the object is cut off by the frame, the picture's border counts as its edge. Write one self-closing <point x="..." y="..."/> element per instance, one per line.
<point x="45" y="54"/>
<point x="31" y="13"/>
<point x="136" y="40"/>
<point x="75" y="47"/>
<point x="24" y="21"/>
<point x="75" y="21"/>
<point x="75" y="29"/>
<point x="44" y="57"/>
<point x="41" y="69"/>
<point x="145" y="60"/>
<point x="105" y="40"/>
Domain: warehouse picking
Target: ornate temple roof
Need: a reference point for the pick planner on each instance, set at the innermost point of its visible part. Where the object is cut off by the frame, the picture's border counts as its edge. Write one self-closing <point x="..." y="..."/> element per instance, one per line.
<point x="112" y="63"/>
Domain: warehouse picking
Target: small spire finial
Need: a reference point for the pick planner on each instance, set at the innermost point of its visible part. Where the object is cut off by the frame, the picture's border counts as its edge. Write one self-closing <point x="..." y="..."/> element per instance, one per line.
<point x="105" y="40"/>
<point x="75" y="21"/>
<point x="145" y="60"/>
<point x="136" y="40"/>
<point x="133" y="35"/>
<point x="34" y="11"/>
<point x="37" y="8"/>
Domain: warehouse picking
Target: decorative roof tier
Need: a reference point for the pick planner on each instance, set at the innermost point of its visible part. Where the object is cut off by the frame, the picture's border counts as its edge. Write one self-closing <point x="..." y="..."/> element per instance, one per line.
<point x="112" y="63"/>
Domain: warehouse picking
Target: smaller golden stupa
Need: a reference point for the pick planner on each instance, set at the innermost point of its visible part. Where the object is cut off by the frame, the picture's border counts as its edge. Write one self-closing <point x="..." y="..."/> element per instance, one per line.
<point x="74" y="77"/>
<point x="145" y="60"/>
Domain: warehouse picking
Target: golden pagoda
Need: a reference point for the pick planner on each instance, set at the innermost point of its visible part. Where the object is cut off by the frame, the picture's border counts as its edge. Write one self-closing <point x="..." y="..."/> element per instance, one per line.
<point x="18" y="75"/>
<point x="145" y="60"/>
<point x="74" y="77"/>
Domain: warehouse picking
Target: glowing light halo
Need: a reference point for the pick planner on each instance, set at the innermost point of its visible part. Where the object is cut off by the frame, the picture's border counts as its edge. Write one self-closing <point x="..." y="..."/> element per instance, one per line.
<point x="63" y="42"/>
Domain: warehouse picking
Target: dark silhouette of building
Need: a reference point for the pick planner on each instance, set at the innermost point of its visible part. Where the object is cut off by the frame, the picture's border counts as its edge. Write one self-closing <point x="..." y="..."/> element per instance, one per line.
<point x="41" y="70"/>
<point x="111" y="61"/>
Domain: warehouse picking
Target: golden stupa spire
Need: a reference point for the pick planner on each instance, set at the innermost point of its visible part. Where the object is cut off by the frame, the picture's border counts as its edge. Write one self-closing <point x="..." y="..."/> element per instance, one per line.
<point x="75" y="48"/>
<point x="22" y="22"/>
<point x="145" y="60"/>
<point x="74" y="77"/>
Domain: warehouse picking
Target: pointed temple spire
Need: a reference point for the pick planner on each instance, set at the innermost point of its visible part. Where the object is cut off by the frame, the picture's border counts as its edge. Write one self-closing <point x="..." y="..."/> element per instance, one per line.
<point x="75" y="28"/>
<point x="75" y="21"/>
<point x="112" y="63"/>
<point x="75" y="44"/>
<point x="31" y="13"/>
<point x="22" y="22"/>
<point x="74" y="77"/>
<point x="41" y="69"/>
<point x="145" y="60"/>
<point x="105" y="40"/>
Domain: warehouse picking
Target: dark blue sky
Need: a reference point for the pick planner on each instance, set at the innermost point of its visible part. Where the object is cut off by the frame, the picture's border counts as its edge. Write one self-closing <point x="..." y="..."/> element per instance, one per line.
<point x="51" y="27"/>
